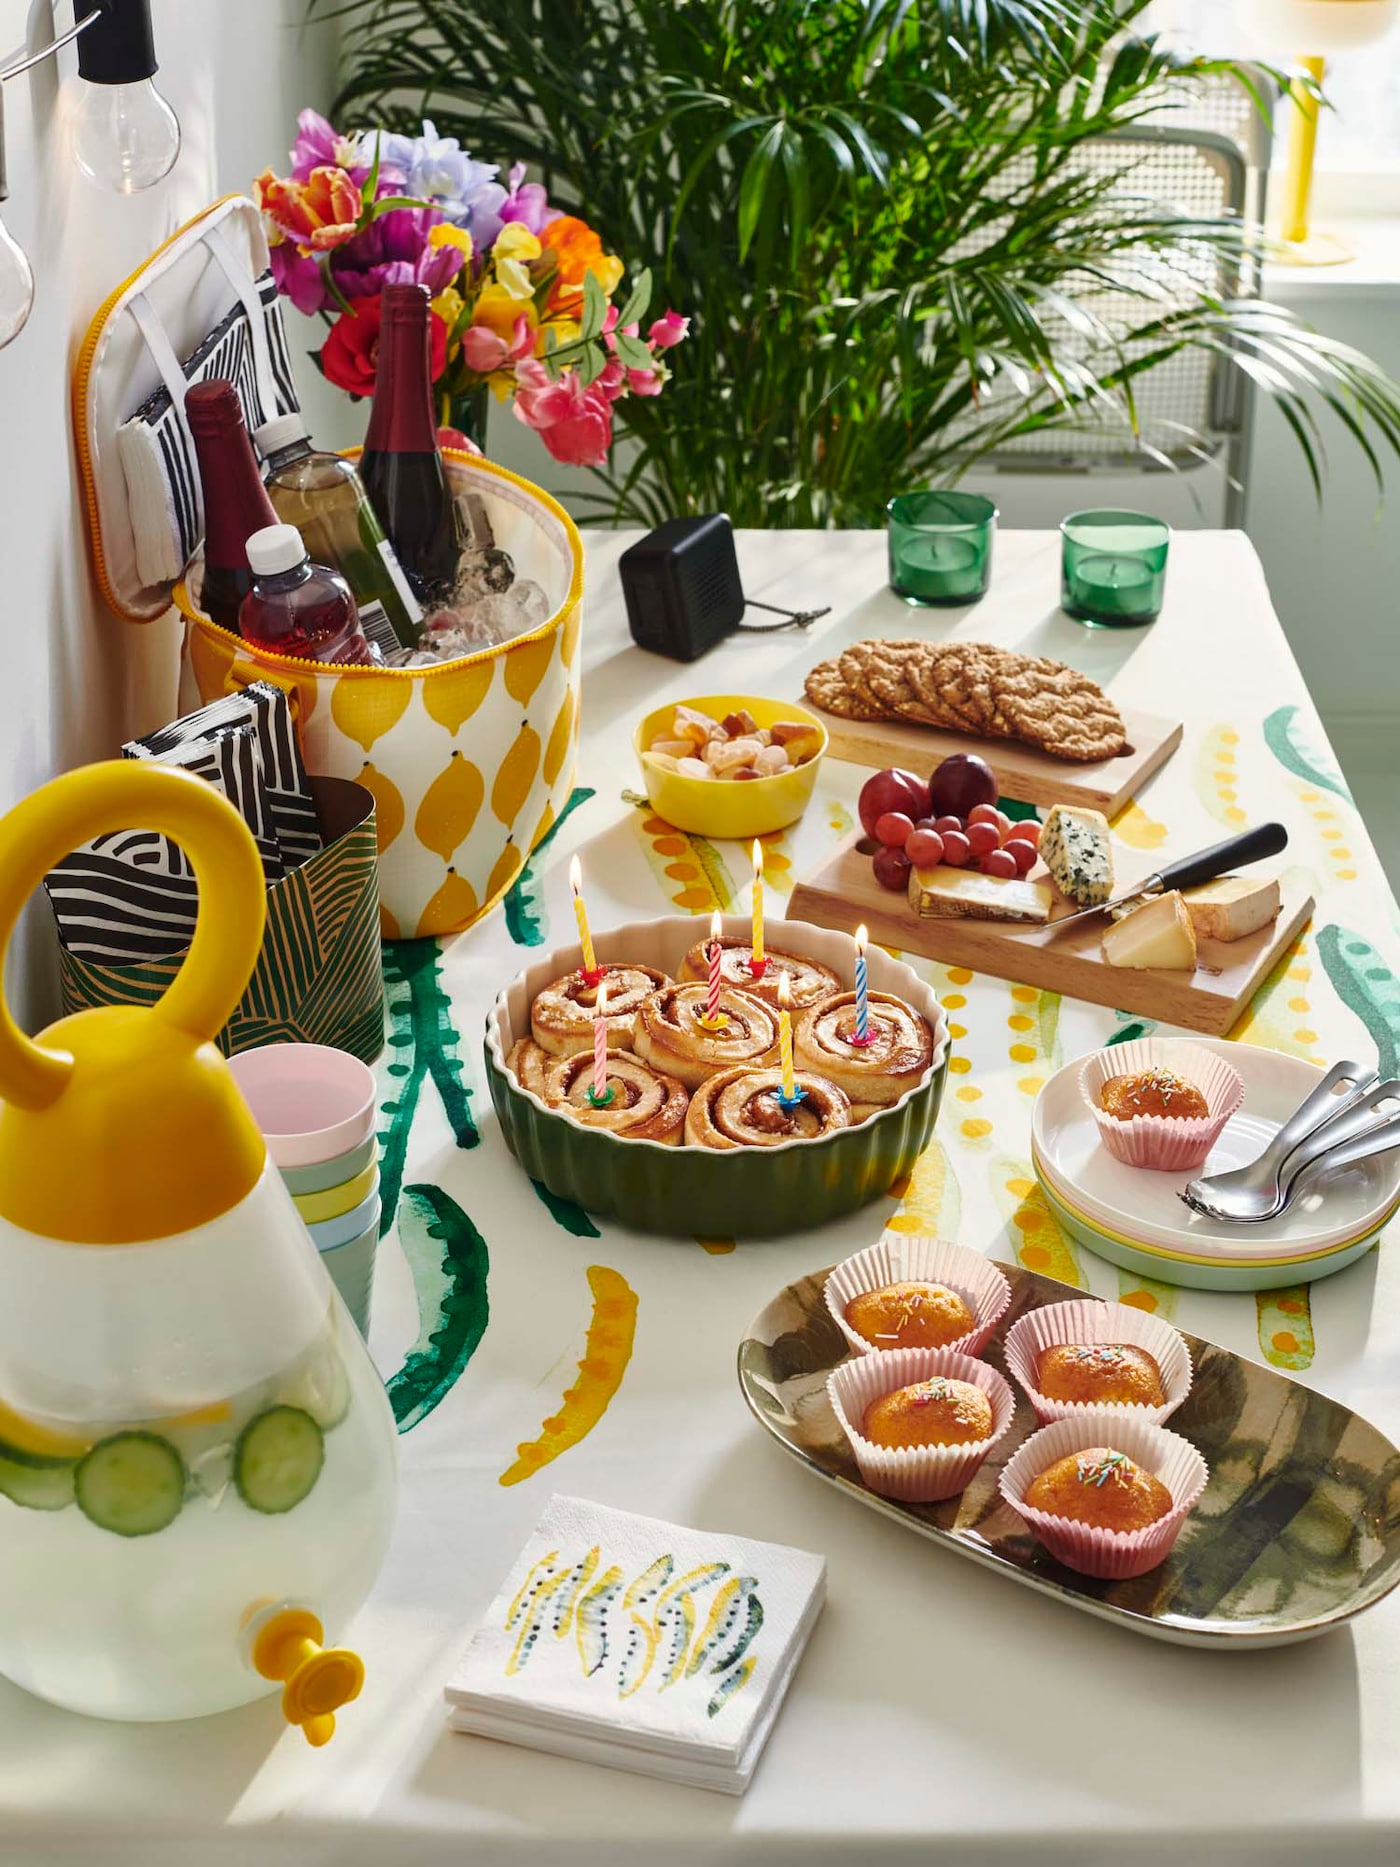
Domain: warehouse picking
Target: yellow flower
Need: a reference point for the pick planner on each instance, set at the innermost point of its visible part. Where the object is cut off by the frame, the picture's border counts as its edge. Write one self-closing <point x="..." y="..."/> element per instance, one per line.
<point x="445" y="234"/>
<point x="513" y="276"/>
<point x="515" y="241"/>
<point x="498" y="310"/>
<point x="448" y="306"/>
<point x="566" y="331"/>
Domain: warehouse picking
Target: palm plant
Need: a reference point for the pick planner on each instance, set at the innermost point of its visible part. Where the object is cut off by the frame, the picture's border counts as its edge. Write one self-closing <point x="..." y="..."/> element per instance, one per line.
<point x="879" y="217"/>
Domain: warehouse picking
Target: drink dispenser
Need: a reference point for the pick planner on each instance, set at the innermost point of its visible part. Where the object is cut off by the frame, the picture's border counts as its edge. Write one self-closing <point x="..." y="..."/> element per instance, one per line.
<point x="196" y="1456"/>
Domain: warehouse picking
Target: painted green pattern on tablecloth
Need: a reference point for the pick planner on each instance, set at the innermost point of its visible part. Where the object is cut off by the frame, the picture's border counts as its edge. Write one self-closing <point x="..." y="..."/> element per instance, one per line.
<point x="690" y="869"/>
<point x="1038" y="1241"/>
<point x="527" y="918"/>
<point x="422" y="1043"/>
<point x="448" y="1258"/>
<point x="1288" y="735"/>
<point x="1285" y="1327"/>
<point x="1367" y="987"/>
<point x="1216" y="771"/>
<point x="930" y="1203"/>
<point x="1146" y="1294"/>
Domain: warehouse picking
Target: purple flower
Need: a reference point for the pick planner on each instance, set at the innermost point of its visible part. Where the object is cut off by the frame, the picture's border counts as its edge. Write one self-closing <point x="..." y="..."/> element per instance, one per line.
<point x="299" y="278"/>
<point x="395" y="251"/>
<point x="437" y="169"/>
<point x="527" y="202"/>
<point x="319" y="145"/>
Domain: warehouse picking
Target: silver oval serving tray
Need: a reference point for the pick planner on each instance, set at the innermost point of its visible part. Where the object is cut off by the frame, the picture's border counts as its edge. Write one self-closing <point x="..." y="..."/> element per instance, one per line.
<point x="1297" y="1531"/>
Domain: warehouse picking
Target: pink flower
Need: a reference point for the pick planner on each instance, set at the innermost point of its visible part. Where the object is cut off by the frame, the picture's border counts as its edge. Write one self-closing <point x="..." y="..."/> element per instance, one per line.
<point x="299" y="278"/>
<point x="668" y="331"/>
<point x="644" y="382"/>
<point x="527" y="202"/>
<point x="613" y="380"/>
<point x="318" y="145"/>
<point x="485" y="350"/>
<point x="574" y="422"/>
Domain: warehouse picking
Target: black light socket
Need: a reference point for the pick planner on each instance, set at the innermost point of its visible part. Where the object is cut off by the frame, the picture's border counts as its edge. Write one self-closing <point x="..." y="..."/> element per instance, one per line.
<point x="120" y="48"/>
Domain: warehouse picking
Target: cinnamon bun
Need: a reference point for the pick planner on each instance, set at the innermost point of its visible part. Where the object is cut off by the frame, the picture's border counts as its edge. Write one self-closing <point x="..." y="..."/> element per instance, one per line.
<point x="808" y="980"/>
<point x="740" y="1108"/>
<point x="561" y="1018"/>
<point x="671" y="1037"/>
<point x="646" y="1105"/>
<point x="900" y="1051"/>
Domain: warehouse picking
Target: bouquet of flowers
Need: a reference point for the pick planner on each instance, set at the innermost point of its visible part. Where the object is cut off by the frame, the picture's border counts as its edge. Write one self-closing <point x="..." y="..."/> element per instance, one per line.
<point x="523" y="296"/>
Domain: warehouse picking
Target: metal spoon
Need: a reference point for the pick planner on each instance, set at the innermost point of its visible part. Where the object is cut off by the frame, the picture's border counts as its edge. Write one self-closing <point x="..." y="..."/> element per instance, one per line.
<point x="1383" y="1138"/>
<point x="1251" y="1193"/>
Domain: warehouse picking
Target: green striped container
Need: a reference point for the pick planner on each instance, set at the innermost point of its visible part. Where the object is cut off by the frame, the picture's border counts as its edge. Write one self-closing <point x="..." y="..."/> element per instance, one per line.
<point x="319" y="979"/>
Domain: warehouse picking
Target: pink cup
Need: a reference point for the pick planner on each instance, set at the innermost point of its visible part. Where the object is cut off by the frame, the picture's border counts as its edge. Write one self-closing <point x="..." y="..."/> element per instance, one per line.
<point x="312" y="1102"/>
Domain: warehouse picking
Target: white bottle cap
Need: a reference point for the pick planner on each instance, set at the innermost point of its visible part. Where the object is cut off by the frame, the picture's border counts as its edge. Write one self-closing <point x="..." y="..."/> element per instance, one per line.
<point x="275" y="548"/>
<point x="280" y="432"/>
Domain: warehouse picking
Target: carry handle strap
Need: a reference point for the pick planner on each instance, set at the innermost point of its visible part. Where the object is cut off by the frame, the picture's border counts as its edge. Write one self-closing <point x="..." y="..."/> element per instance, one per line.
<point x="245" y="287"/>
<point x="162" y="351"/>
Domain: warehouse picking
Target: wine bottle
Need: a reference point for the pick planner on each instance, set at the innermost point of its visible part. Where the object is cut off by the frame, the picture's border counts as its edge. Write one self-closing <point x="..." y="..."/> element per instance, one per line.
<point x="235" y="502"/>
<point x="322" y="495"/>
<point x="295" y="607"/>
<point x="401" y="468"/>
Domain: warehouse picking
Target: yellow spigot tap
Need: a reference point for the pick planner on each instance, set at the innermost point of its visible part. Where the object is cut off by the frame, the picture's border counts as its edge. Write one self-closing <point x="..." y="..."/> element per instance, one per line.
<point x="318" y="1680"/>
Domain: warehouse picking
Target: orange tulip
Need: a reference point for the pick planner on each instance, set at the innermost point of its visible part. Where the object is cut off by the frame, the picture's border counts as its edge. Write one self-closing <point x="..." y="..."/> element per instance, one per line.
<point x="318" y="214"/>
<point x="579" y="252"/>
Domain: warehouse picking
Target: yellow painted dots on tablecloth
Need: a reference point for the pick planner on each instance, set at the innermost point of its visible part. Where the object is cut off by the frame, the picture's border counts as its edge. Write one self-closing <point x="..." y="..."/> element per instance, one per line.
<point x="1022" y="1053"/>
<point x="717" y="1247"/>
<point x="1031" y="1085"/>
<point x="1215" y="775"/>
<point x="976" y="1129"/>
<point x="1024" y="994"/>
<point x="969" y="1093"/>
<point x="954" y="1001"/>
<point x="960" y="1065"/>
<point x="1284" y="1342"/>
<point x="1139" y="1299"/>
<point x="929" y="1196"/>
<point x="1306" y="1037"/>
<point x="1042" y="1245"/>
<point x="1137" y="829"/>
<point x="1020" y="1022"/>
<point x="957" y="1030"/>
<point x="959" y="975"/>
<point x="1263" y="1023"/>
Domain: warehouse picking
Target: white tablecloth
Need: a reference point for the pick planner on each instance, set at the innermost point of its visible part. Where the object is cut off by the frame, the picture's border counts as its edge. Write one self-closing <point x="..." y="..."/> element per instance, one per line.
<point x="941" y="1713"/>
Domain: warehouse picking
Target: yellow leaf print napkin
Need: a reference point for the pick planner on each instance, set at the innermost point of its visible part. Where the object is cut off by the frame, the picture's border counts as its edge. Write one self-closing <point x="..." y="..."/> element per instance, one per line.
<point x="642" y="1645"/>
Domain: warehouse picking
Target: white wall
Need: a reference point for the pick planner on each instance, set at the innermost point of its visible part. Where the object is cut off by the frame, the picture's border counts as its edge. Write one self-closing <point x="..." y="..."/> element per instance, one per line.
<point x="74" y="681"/>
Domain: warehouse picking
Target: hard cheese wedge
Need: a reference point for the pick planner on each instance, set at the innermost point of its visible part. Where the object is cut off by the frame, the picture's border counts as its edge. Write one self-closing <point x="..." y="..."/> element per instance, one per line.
<point x="964" y="894"/>
<point x="1232" y="906"/>
<point x="1157" y="936"/>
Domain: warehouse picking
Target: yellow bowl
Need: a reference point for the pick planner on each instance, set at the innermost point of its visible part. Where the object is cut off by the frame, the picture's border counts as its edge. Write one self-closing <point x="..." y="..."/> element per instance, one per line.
<point x="720" y="806"/>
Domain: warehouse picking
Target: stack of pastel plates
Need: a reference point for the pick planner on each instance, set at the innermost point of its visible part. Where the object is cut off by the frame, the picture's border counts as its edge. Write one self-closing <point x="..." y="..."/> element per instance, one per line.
<point x="315" y="1106"/>
<point x="1135" y="1218"/>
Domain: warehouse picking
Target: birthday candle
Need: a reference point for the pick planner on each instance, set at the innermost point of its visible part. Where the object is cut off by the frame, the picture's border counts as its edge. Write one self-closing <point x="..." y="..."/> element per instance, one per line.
<point x="600" y="1045"/>
<point x="712" y="1006"/>
<point x="862" y="989"/>
<point x="590" y="964"/>
<point x="785" y="1040"/>
<point x="756" y="962"/>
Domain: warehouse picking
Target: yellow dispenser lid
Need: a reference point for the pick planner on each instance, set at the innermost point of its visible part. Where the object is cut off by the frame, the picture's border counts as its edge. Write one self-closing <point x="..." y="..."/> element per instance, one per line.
<point x="125" y="1123"/>
<point x="318" y="1679"/>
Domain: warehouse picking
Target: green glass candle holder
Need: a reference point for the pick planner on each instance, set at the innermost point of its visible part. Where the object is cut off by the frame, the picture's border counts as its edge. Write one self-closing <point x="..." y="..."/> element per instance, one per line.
<point x="940" y="546"/>
<point x="1113" y="567"/>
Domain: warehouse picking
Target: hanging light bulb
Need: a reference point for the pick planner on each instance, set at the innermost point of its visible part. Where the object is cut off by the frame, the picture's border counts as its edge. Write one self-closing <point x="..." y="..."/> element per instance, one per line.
<point x="16" y="278"/>
<point x="125" y="136"/>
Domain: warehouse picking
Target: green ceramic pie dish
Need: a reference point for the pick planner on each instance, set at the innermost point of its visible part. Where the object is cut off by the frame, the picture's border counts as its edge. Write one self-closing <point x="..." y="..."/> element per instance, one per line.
<point x="693" y="1191"/>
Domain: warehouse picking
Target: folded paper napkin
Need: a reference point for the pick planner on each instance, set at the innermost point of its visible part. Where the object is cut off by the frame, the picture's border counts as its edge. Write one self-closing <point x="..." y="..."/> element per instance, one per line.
<point x="642" y="1645"/>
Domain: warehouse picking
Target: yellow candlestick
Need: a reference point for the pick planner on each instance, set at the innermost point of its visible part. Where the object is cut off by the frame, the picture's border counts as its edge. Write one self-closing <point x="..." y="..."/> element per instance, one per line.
<point x="590" y="964"/>
<point x="757" y="957"/>
<point x="785" y="1040"/>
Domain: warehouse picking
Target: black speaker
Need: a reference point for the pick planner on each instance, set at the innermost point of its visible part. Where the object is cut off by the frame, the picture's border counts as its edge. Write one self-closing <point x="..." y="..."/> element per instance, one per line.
<point x="681" y="584"/>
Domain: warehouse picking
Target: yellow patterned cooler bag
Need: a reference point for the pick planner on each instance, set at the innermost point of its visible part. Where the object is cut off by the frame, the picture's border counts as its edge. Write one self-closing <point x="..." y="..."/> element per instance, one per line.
<point x="469" y="762"/>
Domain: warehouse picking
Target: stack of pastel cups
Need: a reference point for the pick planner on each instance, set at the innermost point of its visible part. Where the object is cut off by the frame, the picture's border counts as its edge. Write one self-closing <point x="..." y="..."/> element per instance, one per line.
<point x="315" y="1106"/>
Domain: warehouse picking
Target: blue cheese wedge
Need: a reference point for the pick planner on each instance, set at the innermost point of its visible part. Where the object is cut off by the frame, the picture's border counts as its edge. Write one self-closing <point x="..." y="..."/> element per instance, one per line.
<point x="946" y="893"/>
<point x="1075" y="847"/>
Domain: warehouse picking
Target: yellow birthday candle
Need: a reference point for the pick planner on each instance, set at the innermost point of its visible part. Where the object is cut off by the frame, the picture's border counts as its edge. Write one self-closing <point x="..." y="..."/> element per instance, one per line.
<point x="590" y="964"/>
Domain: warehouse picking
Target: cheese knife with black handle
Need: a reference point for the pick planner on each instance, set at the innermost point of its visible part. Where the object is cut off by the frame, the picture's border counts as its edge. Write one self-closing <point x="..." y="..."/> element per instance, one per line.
<point x="1266" y="839"/>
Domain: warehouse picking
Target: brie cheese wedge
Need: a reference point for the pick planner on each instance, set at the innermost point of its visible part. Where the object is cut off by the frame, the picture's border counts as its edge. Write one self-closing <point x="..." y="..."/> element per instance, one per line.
<point x="1232" y="906"/>
<point x="1155" y="937"/>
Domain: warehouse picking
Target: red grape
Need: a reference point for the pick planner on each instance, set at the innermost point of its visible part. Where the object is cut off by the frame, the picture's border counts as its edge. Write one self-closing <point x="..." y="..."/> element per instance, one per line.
<point x="894" y="829"/>
<point x="1022" y="852"/>
<point x="1027" y="831"/>
<point x="891" y="868"/>
<point x="999" y="862"/>
<point x="1003" y="823"/>
<point x="956" y="849"/>
<point x="983" y="813"/>
<point x="960" y="783"/>
<point x="982" y="837"/>
<point x="925" y="823"/>
<point x="944" y="824"/>
<point x="924" y="848"/>
<point x="892" y="790"/>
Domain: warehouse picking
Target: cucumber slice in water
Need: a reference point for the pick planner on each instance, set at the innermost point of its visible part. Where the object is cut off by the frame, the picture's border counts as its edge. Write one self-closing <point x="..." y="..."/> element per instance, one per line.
<point x="278" y="1459"/>
<point x="132" y="1484"/>
<point x="38" y="1486"/>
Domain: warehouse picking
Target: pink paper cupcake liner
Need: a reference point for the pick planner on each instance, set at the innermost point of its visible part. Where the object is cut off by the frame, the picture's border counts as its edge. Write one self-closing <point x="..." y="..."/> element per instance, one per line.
<point x="1108" y="1555"/>
<point x="1163" y="1143"/>
<point x="902" y="1257"/>
<point x="1087" y="1320"/>
<point x="915" y="1474"/>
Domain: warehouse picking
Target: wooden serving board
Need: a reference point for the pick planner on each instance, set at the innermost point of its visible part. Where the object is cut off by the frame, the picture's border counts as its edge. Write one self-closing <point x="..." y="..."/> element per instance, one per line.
<point x="1023" y="772"/>
<point x="844" y="894"/>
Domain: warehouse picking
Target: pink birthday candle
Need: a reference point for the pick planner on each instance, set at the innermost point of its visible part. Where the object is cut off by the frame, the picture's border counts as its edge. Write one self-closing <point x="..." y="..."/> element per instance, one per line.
<point x="600" y="1045"/>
